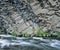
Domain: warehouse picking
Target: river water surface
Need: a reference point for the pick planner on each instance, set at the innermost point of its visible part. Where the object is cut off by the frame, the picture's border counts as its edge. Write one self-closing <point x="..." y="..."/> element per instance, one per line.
<point x="8" y="42"/>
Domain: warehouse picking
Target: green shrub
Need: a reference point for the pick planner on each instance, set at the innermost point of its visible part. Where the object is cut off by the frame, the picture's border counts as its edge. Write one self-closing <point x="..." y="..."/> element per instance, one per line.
<point x="26" y="34"/>
<point x="14" y="33"/>
<point x="41" y="33"/>
<point x="58" y="34"/>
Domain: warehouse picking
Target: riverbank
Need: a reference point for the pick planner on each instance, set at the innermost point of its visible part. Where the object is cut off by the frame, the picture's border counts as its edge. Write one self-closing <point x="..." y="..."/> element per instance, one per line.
<point x="42" y="34"/>
<point x="39" y="33"/>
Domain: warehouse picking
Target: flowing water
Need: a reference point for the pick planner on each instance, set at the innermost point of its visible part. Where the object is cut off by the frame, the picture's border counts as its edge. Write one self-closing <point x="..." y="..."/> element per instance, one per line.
<point x="8" y="42"/>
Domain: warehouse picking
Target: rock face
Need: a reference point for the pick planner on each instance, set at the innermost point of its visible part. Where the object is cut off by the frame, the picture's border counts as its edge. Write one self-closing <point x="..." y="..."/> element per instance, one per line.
<point x="26" y="15"/>
<point x="15" y="16"/>
<point x="48" y="11"/>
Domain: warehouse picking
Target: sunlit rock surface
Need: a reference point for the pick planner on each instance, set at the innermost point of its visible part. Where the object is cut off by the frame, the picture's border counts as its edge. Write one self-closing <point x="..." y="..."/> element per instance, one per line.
<point x="25" y="15"/>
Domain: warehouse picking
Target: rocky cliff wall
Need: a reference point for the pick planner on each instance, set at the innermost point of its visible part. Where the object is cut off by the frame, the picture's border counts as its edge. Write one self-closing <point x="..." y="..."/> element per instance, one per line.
<point x="26" y="15"/>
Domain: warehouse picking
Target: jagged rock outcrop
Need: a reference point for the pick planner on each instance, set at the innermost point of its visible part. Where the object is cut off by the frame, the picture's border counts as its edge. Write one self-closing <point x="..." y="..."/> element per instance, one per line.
<point x="25" y="15"/>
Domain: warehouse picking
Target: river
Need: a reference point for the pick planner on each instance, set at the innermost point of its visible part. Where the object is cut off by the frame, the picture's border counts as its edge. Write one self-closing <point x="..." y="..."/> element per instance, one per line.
<point x="8" y="42"/>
